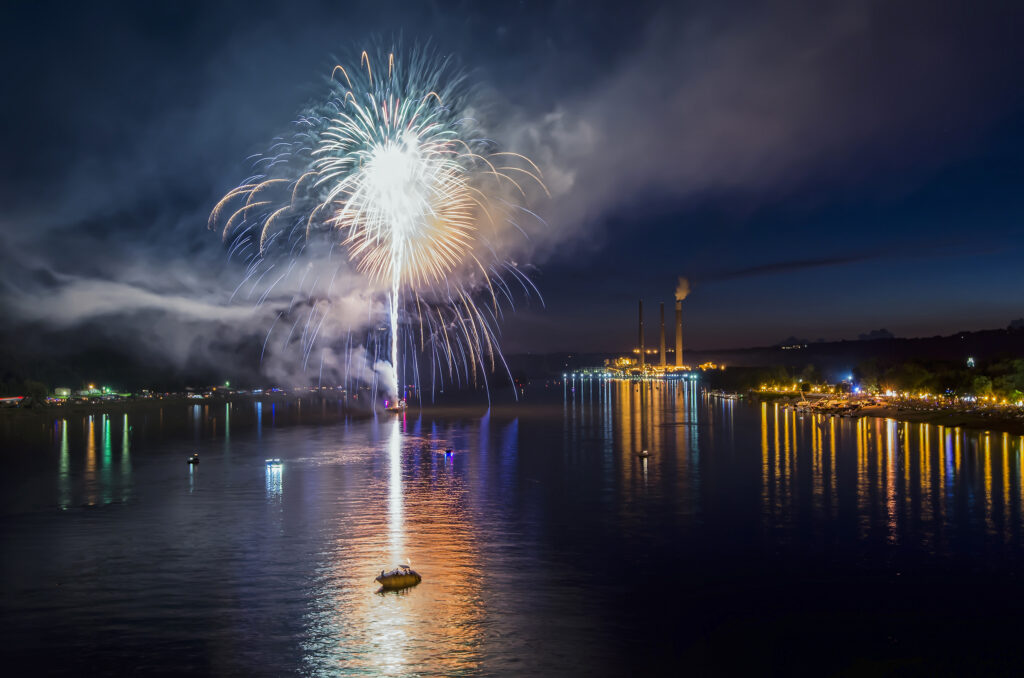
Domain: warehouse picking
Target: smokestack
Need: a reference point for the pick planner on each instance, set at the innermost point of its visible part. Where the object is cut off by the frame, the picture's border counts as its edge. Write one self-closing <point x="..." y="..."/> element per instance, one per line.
<point x="641" y="334"/>
<point x="682" y="290"/>
<point x="679" y="332"/>
<point x="662" y="305"/>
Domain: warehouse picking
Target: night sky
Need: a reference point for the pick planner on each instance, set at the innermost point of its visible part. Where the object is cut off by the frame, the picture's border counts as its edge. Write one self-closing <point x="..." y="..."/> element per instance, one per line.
<point x="816" y="169"/>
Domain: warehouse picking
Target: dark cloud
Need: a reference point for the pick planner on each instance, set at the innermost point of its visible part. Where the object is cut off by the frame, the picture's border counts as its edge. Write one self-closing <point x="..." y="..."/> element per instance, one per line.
<point x="788" y="266"/>
<point x="756" y="104"/>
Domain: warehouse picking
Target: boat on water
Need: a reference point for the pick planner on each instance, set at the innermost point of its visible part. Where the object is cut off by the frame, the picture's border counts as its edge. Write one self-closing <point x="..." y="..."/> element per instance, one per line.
<point x="399" y="406"/>
<point x="643" y="454"/>
<point x="273" y="463"/>
<point x="194" y="459"/>
<point x="402" y="577"/>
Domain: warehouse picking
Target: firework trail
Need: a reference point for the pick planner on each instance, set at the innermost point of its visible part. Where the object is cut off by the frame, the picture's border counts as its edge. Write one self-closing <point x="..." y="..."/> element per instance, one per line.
<point x="391" y="169"/>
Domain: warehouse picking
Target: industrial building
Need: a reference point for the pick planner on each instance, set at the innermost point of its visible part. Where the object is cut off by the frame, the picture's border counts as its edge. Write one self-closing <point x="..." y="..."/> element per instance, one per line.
<point x="654" y="362"/>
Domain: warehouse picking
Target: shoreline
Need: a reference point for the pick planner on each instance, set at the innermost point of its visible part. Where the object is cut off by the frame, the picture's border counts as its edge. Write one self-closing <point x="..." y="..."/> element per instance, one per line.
<point x="994" y="421"/>
<point x="126" y="405"/>
<point x="946" y="419"/>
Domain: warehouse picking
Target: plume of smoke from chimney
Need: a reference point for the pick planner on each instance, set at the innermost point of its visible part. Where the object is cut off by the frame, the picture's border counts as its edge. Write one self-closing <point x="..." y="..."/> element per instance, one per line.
<point x="682" y="288"/>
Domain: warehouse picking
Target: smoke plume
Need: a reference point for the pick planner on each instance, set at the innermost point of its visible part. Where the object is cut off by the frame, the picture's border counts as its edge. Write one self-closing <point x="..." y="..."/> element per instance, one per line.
<point x="682" y="288"/>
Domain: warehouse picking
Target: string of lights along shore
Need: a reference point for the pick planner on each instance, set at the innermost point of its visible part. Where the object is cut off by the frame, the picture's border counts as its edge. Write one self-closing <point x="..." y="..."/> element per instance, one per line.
<point x="389" y="173"/>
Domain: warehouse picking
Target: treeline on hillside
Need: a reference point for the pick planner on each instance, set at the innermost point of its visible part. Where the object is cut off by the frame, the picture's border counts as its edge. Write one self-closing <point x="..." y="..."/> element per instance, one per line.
<point x="1000" y="378"/>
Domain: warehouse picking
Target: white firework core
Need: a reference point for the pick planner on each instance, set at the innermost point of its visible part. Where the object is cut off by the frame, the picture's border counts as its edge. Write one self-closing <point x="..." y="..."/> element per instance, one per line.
<point x="401" y="194"/>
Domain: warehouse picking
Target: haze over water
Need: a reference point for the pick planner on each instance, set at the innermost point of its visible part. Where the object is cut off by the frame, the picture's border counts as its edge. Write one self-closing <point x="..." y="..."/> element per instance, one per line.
<point x="753" y="538"/>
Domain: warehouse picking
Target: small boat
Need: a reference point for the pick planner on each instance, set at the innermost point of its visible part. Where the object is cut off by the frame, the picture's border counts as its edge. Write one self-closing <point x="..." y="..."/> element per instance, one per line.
<point x="194" y="459"/>
<point x="402" y="577"/>
<point x="273" y="463"/>
<point x="448" y="451"/>
<point x="643" y="454"/>
<point x="400" y="406"/>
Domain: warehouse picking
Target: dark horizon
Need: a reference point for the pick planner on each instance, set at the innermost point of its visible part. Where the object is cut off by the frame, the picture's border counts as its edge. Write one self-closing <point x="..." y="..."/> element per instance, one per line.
<point x="833" y="360"/>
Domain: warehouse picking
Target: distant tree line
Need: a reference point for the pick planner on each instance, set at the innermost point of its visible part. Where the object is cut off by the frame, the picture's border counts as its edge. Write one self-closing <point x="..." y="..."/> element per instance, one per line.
<point x="999" y="378"/>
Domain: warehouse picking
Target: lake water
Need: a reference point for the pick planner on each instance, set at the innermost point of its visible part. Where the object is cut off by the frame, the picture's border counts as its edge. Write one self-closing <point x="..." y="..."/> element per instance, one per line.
<point x="754" y="540"/>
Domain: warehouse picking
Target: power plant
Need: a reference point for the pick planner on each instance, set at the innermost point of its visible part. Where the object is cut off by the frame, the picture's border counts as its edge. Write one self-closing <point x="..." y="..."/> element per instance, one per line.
<point x="642" y="363"/>
<point x="663" y="363"/>
<point x="664" y="367"/>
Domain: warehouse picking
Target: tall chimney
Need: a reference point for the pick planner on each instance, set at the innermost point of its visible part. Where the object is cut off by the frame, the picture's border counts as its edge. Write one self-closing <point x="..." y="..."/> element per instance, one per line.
<point x="641" y="334"/>
<point x="663" y="363"/>
<point x="679" y="333"/>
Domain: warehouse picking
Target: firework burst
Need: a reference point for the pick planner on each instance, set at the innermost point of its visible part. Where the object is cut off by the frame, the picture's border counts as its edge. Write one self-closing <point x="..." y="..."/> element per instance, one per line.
<point x="392" y="169"/>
